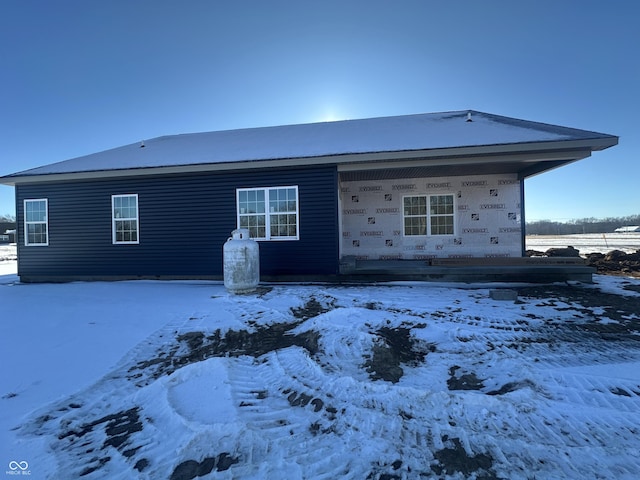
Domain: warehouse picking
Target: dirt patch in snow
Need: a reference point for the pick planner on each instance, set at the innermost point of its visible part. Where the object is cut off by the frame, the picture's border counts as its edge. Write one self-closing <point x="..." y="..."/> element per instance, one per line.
<point x="615" y="262"/>
<point x="591" y="306"/>
<point x="455" y="459"/>
<point x="466" y="381"/>
<point x="393" y="348"/>
<point x="313" y="307"/>
<point x="118" y="428"/>
<point x="191" y="469"/>
<point x="192" y="347"/>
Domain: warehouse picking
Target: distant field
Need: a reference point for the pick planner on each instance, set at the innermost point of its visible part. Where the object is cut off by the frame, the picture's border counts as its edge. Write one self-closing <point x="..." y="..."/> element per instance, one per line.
<point x="586" y="243"/>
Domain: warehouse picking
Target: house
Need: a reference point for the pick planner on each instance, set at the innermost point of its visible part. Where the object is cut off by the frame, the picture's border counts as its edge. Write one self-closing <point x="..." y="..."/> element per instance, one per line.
<point x="628" y="229"/>
<point x="430" y="196"/>
<point x="7" y="232"/>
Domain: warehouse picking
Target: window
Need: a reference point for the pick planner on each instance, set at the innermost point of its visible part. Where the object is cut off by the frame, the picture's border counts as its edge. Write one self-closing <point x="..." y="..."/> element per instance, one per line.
<point x="428" y="214"/>
<point x="415" y="215"/>
<point x="269" y="213"/>
<point x="124" y="210"/>
<point x="441" y="214"/>
<point x="36" y="222"/>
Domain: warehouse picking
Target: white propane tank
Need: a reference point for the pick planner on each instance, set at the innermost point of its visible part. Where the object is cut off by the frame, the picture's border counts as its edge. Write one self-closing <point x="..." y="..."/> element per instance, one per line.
<point x="241" y="258"/>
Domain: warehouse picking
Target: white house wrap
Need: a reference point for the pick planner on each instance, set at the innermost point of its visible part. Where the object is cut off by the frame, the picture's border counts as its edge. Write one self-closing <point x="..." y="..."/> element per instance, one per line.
<point x="486" y="218"/>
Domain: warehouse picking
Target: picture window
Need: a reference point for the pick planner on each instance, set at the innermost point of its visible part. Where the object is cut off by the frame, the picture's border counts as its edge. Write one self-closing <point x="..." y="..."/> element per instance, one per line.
<point x="428" y="215"/>
<point x="269" y="213"/>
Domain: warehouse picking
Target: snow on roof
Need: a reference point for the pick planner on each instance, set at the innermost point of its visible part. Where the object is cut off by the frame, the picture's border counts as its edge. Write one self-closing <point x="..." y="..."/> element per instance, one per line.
<point x="374" y="135"/>
<point x="628" y="229"/>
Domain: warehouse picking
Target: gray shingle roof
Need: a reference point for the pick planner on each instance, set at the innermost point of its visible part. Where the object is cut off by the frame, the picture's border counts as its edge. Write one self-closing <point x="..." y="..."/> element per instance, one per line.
<point x="420" y="132"/>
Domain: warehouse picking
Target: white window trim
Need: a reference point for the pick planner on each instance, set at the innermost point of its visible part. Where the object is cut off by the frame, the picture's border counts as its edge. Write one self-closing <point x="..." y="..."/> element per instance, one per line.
<point x="136" y="218"/>
<point x="267" y="214"/>
<point x="429" y="234"/>
<point x="45" y="222"/>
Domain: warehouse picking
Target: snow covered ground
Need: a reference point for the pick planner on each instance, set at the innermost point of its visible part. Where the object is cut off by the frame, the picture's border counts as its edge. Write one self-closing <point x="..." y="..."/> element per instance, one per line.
<point x="586" y="243"/>
<point x="8" y="257"/>
<point x="181" y="380"/>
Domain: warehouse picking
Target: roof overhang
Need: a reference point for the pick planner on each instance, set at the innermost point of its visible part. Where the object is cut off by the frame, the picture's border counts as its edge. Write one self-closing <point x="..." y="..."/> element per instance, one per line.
<point x="524" y="165"/>
<point x="523" y="159"/>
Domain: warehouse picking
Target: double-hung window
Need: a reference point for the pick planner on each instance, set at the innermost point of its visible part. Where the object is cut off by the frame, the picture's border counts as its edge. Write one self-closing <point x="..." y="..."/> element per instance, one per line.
<point x="269" y="213"/>
<point x="36" y="227"/>
<point x="428" y="215"/>
<point x="124" y="218"/>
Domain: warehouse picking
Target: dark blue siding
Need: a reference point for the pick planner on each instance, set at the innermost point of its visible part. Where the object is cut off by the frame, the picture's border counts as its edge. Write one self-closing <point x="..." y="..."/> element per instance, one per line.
<point x="184" y="221"/>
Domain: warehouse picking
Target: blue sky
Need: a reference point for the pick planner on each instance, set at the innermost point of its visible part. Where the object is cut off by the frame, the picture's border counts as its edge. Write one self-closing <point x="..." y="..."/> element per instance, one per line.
<point x="78" y="77"/>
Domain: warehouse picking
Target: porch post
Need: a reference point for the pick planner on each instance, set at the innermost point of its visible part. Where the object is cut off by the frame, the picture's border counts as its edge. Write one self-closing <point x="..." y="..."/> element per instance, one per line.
<point x="523" y="224"/>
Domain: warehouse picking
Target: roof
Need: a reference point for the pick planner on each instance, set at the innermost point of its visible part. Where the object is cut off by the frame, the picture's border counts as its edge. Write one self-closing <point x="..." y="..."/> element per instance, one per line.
<point x="385" y="138"/>
<point x="628" y="229"/>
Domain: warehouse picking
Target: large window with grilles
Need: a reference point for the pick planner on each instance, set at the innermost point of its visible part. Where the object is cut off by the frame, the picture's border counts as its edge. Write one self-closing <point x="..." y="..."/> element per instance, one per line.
<point x="269" y="213"/>
<point x="428" y="215"/>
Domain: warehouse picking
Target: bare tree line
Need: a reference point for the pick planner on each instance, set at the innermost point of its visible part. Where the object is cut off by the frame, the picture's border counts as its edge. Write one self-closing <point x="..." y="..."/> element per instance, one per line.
<point x="583" y="225"/>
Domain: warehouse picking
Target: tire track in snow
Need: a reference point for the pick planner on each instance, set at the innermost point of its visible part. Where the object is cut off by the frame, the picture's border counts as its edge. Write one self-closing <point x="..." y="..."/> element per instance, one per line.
<point x="291" y="414"/>
<point x="512" y="343"/>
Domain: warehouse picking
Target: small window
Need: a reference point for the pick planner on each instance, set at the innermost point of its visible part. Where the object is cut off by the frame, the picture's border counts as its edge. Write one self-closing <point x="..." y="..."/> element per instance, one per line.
<point x="269" y="213"/>
<point x="124" y="214"/>
<point x="36" y="227"/>
<point x="428" y="214"/>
